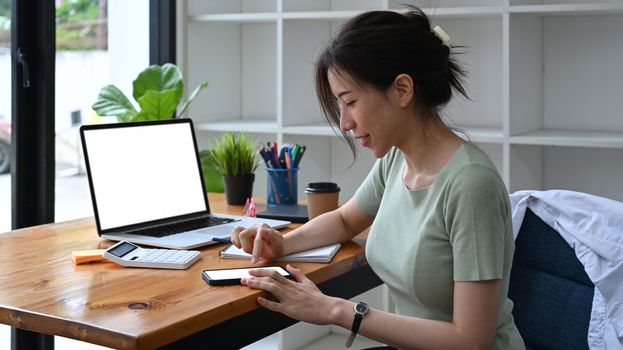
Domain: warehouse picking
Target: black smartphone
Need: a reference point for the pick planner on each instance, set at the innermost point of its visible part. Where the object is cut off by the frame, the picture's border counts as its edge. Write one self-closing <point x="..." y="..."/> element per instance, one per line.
<point x="221" y="277"/>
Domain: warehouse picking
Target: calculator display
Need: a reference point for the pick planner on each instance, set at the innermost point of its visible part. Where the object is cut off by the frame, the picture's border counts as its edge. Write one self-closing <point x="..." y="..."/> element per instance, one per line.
<point x="122" y="249"/>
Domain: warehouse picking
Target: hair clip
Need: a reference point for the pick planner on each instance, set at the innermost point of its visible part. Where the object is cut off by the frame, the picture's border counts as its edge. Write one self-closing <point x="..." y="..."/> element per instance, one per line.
<point x="441" y="34"/>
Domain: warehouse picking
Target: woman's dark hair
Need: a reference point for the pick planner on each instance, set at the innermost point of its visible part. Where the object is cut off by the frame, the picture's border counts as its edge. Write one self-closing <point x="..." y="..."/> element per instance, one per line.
<point x="377" y="46"/>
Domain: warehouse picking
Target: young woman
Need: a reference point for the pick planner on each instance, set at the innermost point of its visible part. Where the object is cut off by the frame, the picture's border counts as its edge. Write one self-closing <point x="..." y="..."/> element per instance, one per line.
<point x="432" y="199"/>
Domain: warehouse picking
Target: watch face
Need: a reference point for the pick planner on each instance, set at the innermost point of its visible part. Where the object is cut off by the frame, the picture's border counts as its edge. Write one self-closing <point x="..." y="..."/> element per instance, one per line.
<point x="361" y="308"/>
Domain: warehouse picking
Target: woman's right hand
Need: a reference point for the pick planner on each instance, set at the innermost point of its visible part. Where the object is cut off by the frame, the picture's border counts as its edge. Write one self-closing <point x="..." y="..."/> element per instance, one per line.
<point x="260" y="241"/>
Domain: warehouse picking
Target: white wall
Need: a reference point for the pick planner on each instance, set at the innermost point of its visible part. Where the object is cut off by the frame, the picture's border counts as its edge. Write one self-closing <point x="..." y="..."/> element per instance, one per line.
<point x="79" y="78"/>
<point x="128" y="41"/>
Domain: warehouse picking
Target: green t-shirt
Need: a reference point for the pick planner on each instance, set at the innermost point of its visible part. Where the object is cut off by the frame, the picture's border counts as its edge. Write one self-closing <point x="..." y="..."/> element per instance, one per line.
<point x="457" y="229"/>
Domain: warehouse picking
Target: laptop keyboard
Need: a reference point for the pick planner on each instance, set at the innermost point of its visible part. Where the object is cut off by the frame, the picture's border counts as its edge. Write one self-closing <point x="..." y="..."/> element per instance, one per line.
<point x="171" y="229"/>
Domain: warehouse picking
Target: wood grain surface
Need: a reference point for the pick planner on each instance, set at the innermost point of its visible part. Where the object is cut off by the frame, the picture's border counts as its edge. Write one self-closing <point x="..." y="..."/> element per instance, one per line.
<point x="126" y="308"/>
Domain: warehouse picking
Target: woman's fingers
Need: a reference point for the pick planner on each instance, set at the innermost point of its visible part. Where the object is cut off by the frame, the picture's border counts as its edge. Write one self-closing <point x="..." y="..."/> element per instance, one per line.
<point x="247" y="237"/>
<point x="274" y="274"/>
<point x="265" y="283"/>
<point x="294" y="299"/>
<point x="270" y="305"/>
<point x="235" y="236"/>
<point x="253" y="240"/>
<point x="258" y="244"/>
<point x="299" y="276"/>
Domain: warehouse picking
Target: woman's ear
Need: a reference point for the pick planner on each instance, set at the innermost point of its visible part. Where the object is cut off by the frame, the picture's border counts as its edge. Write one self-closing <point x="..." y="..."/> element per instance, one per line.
<point x="403" y="89"/>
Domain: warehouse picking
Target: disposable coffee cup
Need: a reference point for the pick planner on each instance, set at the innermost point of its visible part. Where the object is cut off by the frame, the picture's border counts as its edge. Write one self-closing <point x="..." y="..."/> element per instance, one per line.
<point x="322" y="197"/>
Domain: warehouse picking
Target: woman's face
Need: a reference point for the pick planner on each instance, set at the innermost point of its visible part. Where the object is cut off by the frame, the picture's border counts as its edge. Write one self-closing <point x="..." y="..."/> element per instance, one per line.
<point x="369" y="115"/>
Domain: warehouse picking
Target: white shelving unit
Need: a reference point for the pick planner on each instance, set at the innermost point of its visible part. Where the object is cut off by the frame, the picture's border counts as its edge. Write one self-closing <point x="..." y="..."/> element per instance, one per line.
<point x="565" y="113"/>
<point x="545" y="82"/>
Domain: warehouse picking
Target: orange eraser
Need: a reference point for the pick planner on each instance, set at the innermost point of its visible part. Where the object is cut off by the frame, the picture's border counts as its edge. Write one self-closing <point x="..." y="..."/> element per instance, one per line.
<point x="84" y="256"/>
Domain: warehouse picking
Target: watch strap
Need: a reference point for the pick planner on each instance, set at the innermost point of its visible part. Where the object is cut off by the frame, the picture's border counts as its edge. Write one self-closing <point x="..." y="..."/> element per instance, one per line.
<point x="354" y="330"/>
<point x="356" y="323"/>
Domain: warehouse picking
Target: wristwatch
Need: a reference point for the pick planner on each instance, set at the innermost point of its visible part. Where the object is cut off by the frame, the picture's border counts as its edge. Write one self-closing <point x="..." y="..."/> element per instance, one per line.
<point x="361" y="309"/>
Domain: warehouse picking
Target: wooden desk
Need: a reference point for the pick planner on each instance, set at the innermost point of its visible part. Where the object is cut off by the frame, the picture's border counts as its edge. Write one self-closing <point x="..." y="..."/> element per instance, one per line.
<point x="41" y="290"/>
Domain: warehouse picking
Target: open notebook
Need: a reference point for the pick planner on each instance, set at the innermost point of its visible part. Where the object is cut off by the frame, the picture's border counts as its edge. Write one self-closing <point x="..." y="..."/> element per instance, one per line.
<point x="322" y="254"/>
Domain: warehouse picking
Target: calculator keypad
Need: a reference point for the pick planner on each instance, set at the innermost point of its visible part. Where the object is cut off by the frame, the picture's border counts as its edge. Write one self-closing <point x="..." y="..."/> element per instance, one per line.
<point x="155" y="258"/>
<point x="168" y="256"/>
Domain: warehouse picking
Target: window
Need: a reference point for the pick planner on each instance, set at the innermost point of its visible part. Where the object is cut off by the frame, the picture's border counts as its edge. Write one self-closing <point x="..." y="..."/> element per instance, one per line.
<point x="98" y="42"/>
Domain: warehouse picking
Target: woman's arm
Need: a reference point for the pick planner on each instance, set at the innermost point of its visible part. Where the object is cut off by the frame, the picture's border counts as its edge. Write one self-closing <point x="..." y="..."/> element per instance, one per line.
<point x="339" y="225"/>
<point x="473" y="325"/>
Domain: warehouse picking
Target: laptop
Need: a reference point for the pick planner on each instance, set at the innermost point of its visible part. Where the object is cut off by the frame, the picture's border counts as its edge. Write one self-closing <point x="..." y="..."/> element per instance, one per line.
<point x="147" y="186"/>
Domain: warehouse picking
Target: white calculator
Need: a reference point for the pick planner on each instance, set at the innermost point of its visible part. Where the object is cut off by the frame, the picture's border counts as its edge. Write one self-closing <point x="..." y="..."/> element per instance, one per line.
<point x="128" y="254"/>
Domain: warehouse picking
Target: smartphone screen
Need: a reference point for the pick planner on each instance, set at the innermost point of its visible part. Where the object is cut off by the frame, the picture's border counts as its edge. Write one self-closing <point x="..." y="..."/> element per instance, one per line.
<point x="233" y="276"/>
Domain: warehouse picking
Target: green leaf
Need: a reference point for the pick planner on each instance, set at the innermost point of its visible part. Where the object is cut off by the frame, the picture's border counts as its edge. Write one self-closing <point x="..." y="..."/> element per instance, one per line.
<point x="211" y="177"/>
<point x="159" y="79"/>
<point x="111" y="102"/>
<point x="157" y="105"/>
<point x="192" y="97"/>
<point x="141" y="116"/>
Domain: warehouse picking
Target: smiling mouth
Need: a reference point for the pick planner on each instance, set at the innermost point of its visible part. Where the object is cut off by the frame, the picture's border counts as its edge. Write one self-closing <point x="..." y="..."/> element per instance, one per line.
<point x="363" y="139"/>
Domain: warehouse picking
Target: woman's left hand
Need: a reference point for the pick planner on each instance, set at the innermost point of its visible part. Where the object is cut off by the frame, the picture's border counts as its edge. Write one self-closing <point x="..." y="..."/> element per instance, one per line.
<point x="299" y="298"/>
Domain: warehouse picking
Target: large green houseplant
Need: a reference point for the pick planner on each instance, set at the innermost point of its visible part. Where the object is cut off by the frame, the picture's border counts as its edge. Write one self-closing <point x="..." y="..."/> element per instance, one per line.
<point x="235" y="158"/>
<point x="159" y="91"/>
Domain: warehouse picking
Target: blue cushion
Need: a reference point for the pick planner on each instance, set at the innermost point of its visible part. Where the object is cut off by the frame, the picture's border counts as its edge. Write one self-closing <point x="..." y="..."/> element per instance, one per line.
<point x="551" y="292"/>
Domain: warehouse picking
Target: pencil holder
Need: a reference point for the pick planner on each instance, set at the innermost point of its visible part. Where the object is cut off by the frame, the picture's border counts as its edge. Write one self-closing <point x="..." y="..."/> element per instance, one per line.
<point x="281" y="186"/>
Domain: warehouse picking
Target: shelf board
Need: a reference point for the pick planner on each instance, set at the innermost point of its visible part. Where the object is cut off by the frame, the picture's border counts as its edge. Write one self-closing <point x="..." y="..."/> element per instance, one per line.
<point x="261" y="17"/>
<point x="484" y="134"/>
<point x="571" y="138"/>
<point x="243" y="125"/>
<point x="464" y="12"/>
<point x="439" y="12"/>
<point x="478" y="134"/>
<point x="317" y="129"/>
<point x="568" y="9"/>
<point x="321" y="15"/>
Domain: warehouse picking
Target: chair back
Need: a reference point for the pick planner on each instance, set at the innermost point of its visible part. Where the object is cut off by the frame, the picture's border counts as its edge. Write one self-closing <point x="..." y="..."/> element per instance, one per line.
<point x="551" y="292"/>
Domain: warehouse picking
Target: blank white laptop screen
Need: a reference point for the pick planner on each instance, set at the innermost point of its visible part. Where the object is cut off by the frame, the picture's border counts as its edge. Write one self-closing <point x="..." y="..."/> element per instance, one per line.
<point x="144" y="173"/>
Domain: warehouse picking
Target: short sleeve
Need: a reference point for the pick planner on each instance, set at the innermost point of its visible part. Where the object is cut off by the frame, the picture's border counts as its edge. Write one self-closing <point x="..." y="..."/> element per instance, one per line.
<point x="477" y="217"/>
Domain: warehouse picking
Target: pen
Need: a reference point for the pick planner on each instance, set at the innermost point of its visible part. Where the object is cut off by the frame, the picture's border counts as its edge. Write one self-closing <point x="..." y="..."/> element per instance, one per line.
<point x="282" y="158"/>
<point x="300" y="154"/>
<point x="267" y="158"/>
<point x="288" y="160"/>
<point x="295" y="153"/>
<point x="221" y="240"/>
<point x="220" y="254"/>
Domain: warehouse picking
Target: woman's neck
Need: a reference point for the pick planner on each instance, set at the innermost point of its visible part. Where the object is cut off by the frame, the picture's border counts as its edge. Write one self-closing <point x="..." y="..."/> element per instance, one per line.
<point x="428" y="152"/>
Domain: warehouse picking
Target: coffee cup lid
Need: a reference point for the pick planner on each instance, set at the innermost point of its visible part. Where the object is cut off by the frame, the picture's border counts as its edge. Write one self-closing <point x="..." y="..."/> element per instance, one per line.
<point x="322" y="187"/>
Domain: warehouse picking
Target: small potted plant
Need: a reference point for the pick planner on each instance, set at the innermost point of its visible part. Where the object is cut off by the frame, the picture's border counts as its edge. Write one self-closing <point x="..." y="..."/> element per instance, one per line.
<point x="235" y="158"/>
